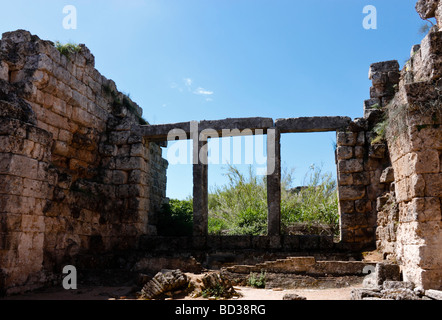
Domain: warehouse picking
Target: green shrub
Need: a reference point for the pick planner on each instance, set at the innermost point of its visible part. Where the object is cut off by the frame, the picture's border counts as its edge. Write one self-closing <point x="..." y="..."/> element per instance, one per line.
<point x="68" y="48"/>
<point x="257" y="281"/>
<point x="176" y="218"/>
<point x="216" y="292"/>
<point x="315" y="203"/>
<point x="240" y="207"/>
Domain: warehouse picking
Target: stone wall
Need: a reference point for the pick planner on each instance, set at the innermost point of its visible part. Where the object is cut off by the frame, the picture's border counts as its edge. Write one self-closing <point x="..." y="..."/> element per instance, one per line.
<point x="76" y="176"/>
<point x="361" y="160"/>
<point x="409" y="212"/>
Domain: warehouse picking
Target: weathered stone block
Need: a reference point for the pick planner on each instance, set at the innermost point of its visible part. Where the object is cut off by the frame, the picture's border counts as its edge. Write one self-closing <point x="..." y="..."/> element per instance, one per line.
<point x="346" y="206"/>
<point x="433" y="184"/>
<point x="345" y="179"/>
<point x="131" y="163"/>
<point x="119" y="137"/>
<point x="434" y="294"/>
<point x="377" y="150"/>
<point x="387" y="175"/>
<point x="344" y="138"/>
<point x="361" y="178"/>
<point x="4" y="71"/>
<point x="138" y="177"/>
<point x="344" y="152"/>
<point x="119" y="177"/>
<point x="425" y="161"/>
<point x="382" y="67"/>
<point x="421" y="209"/>
<point x="311" y="124"/>
<point x="359" y="152"/>
<point x="426" y="8"/>
<point x="33" y="223"/>
<point x="21" y="166"/>
<point x="138" y="150"/>
<point x="350" y="166"/>
<point x="351" y="192"/>
<point x="363" y="205"/>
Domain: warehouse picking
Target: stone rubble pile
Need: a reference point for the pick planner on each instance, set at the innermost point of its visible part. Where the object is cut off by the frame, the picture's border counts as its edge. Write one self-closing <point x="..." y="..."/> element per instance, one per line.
<point x="385" y="284"/>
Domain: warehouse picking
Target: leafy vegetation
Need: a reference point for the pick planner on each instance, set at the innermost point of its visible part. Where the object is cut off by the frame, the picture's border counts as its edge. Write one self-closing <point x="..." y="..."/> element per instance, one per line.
<point x="257" y="281"/>
<point x="68" y="48"/>
<point x="176" y="218"/>
<point x="240" y="207"/>
<point x="216" y="292"/>
<point x="380" y="129"/>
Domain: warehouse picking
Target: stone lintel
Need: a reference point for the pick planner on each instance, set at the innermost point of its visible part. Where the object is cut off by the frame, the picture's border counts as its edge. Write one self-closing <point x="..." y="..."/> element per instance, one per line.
<point x="236" y="123"/>
<point x="311" y="124"/>
<point x="159" y="132"/>
<point x="227" y="128"/>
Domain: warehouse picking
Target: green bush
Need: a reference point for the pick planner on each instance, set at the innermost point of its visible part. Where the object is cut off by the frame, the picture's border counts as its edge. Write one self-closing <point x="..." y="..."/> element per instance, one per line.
<point x="316" y="203"/>
<point x="257" y="281"/>
<point x="240" y="207"/>
<point x="176" y="218"/>
<point x="68" y="48"/>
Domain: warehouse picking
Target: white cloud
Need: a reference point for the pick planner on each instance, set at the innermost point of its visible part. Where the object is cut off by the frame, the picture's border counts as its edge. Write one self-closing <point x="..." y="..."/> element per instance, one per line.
<point x="188" y="84"/>
<point x="202" y="91"/>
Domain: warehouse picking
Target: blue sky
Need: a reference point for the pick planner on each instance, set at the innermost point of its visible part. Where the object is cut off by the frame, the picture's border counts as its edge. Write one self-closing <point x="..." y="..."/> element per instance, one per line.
<point x="183" y="60"/>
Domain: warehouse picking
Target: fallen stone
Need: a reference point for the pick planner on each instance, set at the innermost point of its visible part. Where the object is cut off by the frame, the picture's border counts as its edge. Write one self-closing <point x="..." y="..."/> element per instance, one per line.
<point x="360" y="294"/>
<point x="163" y="282"/>
<point x="400" y="294"/>
<point x="434" y="294"/>
<point x="217" y="285"/>
<point x="387" y="285"/>
<point x="293" y="296"/>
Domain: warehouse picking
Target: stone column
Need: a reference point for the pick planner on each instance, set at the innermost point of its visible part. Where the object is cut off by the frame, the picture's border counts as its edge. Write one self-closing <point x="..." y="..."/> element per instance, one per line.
<point x="273" y="182"/>
<point x="200" y="188"/>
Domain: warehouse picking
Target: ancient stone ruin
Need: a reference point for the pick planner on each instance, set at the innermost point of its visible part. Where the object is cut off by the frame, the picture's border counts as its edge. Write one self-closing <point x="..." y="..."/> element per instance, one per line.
<point x="82" y="178"/>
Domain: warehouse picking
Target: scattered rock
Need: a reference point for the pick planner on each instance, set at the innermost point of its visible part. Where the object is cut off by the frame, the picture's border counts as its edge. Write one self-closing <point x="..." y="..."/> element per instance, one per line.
<point x="360" y="294"/>
<point x="293" y="296"/>
<point x="399" y="294"/>
<point x="216" y="285"/>
<point x="387" y="285"/>
<point x="434" y="294"/>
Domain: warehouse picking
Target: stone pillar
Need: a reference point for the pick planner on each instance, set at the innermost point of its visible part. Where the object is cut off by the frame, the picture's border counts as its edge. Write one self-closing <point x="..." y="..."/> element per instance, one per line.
<point x="200" y="188"/>
<point x="273" y="182"/>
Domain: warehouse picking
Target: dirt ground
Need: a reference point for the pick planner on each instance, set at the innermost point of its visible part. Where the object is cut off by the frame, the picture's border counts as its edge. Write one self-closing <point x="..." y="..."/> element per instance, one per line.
<point x="120" y="293"/>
